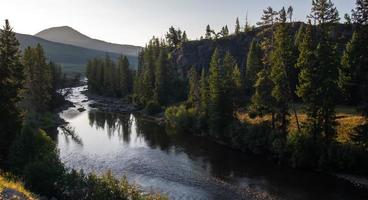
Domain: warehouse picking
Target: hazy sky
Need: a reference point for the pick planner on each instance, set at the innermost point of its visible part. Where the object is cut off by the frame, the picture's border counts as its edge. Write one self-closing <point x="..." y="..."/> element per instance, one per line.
<point x="136" y="21"/>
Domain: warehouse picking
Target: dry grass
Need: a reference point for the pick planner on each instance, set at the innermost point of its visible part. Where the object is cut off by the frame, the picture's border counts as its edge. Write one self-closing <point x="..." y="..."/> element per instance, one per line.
<point x="16" y="186"/>
<point x="347" y="119"/>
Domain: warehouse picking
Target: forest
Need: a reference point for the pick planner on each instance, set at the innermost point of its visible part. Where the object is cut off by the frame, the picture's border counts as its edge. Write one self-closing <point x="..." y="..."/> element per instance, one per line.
<point x="283" y="102"/>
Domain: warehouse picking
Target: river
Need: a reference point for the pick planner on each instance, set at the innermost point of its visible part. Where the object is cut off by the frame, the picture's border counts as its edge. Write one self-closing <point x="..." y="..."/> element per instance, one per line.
<point x="182" y="166"/>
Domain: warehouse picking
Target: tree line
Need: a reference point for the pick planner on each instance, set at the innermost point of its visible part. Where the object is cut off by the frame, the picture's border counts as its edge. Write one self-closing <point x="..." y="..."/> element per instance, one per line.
<point x="105" y="77"/>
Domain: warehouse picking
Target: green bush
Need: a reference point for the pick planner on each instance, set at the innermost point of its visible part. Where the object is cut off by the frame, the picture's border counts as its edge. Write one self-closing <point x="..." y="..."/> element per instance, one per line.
<point x="101" y="187"/>
<point x="152" y="108"/>
<point x="182" y="119"/>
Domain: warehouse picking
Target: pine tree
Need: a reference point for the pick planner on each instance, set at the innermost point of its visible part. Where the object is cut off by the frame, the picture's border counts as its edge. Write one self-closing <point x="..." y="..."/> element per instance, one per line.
<point x="282" y="62"/>
<point x="324" y="12"/>
<point x="39" y="80"/>
<point x="268" y="17"/>
<point x="228" y="86"/>
<point x="162" y="78"/>
<point x="247" y="27"/>
<point x="124" y="76"/>
<point x="262" y="101"/>
<point x="11" y="84"/>
<point x="194" y="88"/>
<point x="290" y="12"/>
<point x="238" y="90"/>
<point x="237" y="26"/>
<point x="282" y="16"/>
<point x="184" y="37"/>
<point x="204" y="92"/>
<point x="215" y="79"/>
<point x="318" y="84"/>
<point x="354" y="72"/>
<point x="253" y="67"/>
<point x="360" y="13"/>
<point x="208" y="32"/>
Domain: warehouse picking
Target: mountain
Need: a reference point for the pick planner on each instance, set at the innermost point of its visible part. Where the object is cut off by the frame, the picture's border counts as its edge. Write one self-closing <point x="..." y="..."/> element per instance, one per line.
<point x="72" y="58"/>
<point x="68" y="35"/>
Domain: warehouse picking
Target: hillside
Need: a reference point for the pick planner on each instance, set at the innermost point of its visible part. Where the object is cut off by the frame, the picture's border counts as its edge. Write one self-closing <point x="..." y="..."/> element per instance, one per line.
<point x="72" y="58"/>
<point x="198" y="52"/>
<point x="68" y="35"/>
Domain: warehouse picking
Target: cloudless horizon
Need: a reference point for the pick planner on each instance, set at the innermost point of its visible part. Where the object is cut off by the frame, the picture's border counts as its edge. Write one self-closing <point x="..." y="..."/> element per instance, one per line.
<point x="136" y="21"/>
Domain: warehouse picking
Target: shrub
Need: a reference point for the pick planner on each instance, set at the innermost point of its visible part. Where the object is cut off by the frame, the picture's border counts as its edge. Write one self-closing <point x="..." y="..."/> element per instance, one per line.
<point x="101" y="187"/>
<point x="181" y="118"/>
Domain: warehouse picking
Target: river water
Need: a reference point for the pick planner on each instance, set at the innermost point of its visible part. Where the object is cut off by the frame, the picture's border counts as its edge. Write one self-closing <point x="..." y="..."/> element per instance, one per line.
<point x="182" y="167"/>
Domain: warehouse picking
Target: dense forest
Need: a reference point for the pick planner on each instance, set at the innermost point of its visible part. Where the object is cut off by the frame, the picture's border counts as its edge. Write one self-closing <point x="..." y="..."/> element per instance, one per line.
<point x="280" y="99"/>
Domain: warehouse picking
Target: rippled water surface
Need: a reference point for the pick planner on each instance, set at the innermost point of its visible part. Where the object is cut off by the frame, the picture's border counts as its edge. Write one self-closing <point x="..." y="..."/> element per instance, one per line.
<point x="182" y="167"/>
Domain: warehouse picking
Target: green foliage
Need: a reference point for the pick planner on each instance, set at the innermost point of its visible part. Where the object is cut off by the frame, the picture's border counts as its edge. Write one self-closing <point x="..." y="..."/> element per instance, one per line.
<point x="318" y="84"/>
<point x="217" y="99"/>
<point x="34" y="157"/>
<point x="156" y="78"/>
<point x="39" y="80"/>
<point x="354" y="73"/>
<point x="100" y="187"/>
<point x="105" y="77"/>
<point x="182" y="118"/>
<point x="262" y="101"/>
<point x="194" y="95"/>
<point x="253" y="67"/>
<point x="324" y="12"/>
<point x="11" y="84"/>
<point x="175" y="37"/>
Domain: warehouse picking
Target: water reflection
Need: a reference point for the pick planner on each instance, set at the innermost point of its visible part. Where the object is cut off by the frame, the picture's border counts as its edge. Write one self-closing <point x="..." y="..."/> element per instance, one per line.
<point x="182" y="166"/>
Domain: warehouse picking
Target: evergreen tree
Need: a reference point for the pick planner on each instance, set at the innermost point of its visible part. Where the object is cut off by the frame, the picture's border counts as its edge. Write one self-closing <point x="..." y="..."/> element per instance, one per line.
<point x="228" y="85"/>
<point x="238" y="90"/>
<point x="184" y="37"/>
<point x="347" y="18"/>
<point x="282" y="62"/>
<point x="162" y="78"/>
<point x="354" y="72"/>
<point x="208" y="32"/>
<point x="11" y="84"/>
<point x="237" y="26"/>
<point x="204" y="92"/>
<point x="360" y="13"/>
<point x="268" y="17"/>
<point x="39" y="80"/>
<point x="124" y="76"/>
<point x="282" y="16"/>
<point x="290" y="12"/>
<point x="194" y="89"/>
<point x="215" y="79"/>
<point x="247" y="27"/>
<point x="262" y="101"/>
<point x="324" y="12"/>
<point x="253" y="67"/>
<point x="318" y="84"/>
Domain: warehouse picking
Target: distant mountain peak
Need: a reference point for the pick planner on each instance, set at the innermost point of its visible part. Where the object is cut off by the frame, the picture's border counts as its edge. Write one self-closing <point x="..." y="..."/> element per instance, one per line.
<point x="69" y="35"/>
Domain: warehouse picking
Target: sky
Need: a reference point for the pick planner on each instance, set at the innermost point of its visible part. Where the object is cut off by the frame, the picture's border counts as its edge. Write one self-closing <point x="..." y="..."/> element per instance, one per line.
<point x="136" y="21"/>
